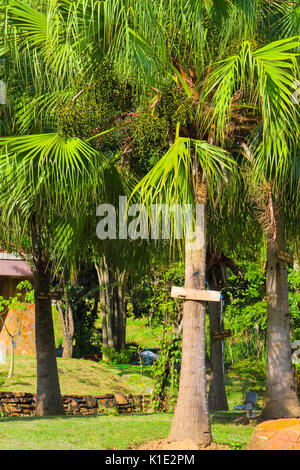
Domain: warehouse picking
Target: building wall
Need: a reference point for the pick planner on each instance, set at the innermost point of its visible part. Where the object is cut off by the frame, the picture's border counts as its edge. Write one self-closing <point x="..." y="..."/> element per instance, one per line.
<point x="25" y="341"/>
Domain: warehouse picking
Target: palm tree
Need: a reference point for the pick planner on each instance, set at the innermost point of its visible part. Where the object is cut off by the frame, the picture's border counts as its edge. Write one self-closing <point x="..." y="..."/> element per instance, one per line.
<point x="222" y="117"/>
<point x="160" y="43"/>
<point x="270" y="162"/>
<point x="47" y="179"/>
<point x="44" y="182"/>
<point x="172" y="181"/>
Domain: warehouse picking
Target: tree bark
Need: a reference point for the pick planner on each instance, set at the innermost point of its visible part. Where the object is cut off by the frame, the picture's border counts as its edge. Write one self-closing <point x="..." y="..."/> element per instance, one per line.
<point x="67" y="321"/>
<point x="191" y="417"/>
<point x="102" y="296"/>
<point x="113" y="306"/>
<point x="49" y="401"/>
<point x="281" y="399"/>
<point x="217" y="400"/>
<point x="68" y="346"/>
<point x="123" y="315"/>
<point x="12" y="358"/>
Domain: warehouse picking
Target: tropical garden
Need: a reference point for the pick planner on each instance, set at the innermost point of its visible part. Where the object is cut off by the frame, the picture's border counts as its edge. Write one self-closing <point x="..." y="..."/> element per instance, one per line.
<point x="120" y="106"/>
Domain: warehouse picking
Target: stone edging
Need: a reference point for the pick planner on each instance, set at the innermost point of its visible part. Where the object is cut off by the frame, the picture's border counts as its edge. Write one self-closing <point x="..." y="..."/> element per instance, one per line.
<point x="23" y="404"/>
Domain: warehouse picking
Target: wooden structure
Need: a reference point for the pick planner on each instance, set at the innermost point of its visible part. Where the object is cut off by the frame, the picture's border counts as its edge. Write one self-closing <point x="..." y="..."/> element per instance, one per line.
<point x="220" y="334"/>
<point x="195" y="294"/>
<point x="13" y="270"/>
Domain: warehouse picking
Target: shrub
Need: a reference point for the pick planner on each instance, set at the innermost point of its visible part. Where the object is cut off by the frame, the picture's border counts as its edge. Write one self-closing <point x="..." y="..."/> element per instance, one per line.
<point x="251" y="369"/>
<point x="122" y="357"/>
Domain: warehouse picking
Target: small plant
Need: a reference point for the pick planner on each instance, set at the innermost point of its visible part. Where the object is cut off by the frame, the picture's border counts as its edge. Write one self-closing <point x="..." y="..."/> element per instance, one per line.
<point x="122" y="357"/>
<point x="16" y="303"/>
<point x="236" y="445"/>
<point x="3" y="376"/>
<point x="250" y="369"/>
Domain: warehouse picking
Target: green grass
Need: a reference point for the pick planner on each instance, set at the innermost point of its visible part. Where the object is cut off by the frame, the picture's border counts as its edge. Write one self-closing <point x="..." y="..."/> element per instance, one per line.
<point x="102" y="432"/>
<point x="78" y="376"/>
<point x="110" y="431"/>
<point x="237" y="387"/>
<point x="139" y="332"/>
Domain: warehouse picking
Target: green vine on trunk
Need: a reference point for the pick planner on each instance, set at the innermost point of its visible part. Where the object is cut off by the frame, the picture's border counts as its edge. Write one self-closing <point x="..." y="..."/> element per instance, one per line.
<point x="166" y="373"/>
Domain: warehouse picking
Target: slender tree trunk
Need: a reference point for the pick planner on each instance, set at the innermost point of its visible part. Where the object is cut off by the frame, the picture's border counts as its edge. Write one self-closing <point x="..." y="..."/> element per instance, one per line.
<point x="49" y="401"/>
<point x="113" y="306"/>
<point x="110" y="309"/>
<point x="123" y="308"/>
<point x="102" y="278"/>
<point x="116" y="310"/>
<point x="120" y="316"/>
<point x="68" y="347"/>
<point x="281" y="399"/>
<point x="191" y="417"/>
<point x="12" y="358"/>
<point x="67" y="321"/>
<point x="217" y="400"/>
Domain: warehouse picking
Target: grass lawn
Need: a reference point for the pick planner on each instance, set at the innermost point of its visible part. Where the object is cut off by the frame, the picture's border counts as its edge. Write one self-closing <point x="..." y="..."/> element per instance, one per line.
<point x="78" y="376"/>
<point x="104" y="432"/>
<point x="110" y="431"/>
<point x="138" y="332"/>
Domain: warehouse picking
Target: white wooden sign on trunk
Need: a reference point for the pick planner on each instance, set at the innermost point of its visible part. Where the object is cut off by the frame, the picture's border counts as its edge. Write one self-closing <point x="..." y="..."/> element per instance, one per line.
<point x="195" y="294"/>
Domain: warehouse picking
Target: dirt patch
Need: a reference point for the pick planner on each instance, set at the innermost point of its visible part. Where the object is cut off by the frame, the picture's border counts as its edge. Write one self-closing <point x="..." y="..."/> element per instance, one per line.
<point x="165" y="444"/>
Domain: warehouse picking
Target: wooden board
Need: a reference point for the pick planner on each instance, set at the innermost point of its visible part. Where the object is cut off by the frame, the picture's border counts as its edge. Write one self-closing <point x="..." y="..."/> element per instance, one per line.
<point x="285" y="256"/>
<point x="52" y="295"/>
<point x="195" y="294"/>
<point x="220" y="334"/>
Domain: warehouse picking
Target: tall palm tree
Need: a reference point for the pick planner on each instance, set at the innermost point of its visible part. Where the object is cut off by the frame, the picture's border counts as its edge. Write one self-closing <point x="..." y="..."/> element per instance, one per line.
<point x="44" y="182"/>
<point x="221" y="99"/>
<point x="47" y="180"/>
<point x="189" y="173"/>
<point x="271" y="161"/>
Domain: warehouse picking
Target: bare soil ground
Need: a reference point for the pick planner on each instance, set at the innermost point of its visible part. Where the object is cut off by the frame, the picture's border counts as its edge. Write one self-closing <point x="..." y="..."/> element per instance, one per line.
<point x="165" y="444"/>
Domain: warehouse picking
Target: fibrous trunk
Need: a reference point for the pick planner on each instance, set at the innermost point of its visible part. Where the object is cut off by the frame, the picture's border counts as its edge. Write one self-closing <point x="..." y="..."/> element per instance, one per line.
<point x="48" y="399"/>
<point x="217" y="400"/>
<point x="281" y="398"/>
<point x="191" y="418"/>
<point x="113" y="305"/>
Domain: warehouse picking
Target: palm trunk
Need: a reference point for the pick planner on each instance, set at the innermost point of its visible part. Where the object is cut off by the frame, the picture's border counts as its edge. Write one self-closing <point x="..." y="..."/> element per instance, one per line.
<point x="281" y="398"/>
<point x="217" y="400"/>
<point x="48" y="399"/>
<point x="191" y="417"/>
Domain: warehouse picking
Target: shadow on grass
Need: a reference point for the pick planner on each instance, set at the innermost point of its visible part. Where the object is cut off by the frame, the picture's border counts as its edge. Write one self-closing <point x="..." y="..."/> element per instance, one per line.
<point x="17" y="383"/>
<point x="129" y="369"/>
<point x="224" y="417"/>
<point x="70" y="417"/>
<point x="41" y="418"/>
<point x="244" y="385"/>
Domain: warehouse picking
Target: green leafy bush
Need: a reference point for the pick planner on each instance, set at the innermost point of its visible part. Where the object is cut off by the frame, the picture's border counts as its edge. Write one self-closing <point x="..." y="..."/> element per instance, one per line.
<point x="3" y="376"/>
<point x="122" y="357"/>
<point x="251" y="369"/>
